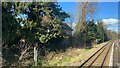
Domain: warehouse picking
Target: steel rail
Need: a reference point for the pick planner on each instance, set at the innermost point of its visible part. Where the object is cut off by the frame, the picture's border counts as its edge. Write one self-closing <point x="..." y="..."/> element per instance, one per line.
<point x="106" y="56"/>
<point x="93" y="55"/>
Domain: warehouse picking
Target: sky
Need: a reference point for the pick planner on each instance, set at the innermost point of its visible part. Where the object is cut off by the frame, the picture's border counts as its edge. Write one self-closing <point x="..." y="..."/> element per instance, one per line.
<point x="106" y="12"/>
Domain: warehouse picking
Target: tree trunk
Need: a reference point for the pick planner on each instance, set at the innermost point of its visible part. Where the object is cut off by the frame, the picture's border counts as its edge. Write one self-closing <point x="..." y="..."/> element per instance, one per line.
<point x="84" y="44"/>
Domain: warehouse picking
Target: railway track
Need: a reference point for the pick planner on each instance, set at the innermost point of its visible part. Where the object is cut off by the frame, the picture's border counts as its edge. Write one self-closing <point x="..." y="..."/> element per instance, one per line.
<point x="99" y="58"/>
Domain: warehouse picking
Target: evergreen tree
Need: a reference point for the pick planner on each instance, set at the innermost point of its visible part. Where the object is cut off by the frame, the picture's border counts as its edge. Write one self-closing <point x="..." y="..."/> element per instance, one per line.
<point x="88" y="33"/>
<point x="32" y="22"/>
<point x="100" y="32"/>
<point x="43" y="22"/>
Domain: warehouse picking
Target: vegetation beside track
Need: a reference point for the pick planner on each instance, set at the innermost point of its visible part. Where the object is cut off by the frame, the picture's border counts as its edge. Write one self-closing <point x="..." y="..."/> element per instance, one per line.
<point x="71" y="56"/>
<point x="38" y="31"/>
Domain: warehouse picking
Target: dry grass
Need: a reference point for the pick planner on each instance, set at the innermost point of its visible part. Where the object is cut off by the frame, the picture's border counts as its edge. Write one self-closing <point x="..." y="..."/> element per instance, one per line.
<point x="72" y="56"/>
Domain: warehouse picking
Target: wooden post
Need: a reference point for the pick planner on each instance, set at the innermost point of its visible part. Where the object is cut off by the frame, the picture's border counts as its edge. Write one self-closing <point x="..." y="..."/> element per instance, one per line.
<point x="35" y="56"/>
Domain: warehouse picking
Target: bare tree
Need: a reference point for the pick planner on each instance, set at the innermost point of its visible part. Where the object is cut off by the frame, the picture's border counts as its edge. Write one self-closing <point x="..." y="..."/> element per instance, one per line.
<point x="84" y="9"/>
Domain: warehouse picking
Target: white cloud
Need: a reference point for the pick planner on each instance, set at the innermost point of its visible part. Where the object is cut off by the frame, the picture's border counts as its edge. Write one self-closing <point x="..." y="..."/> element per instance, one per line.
<point x="110" y="21"/>
<point x="113" y="29"/>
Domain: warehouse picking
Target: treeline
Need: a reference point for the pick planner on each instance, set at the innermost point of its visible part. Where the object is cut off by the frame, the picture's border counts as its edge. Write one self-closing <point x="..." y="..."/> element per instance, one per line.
<point x="29" y="25"/>
<point x="112" y="34"/>
<point x="91" y="33"/>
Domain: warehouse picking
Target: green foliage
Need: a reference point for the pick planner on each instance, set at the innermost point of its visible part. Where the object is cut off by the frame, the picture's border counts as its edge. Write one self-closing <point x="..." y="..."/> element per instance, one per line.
<point x="100" y="32"/>
<point x="88" y="33"/>
<point x="10" y="27"/>
<point x="43" y="21"/>
<point x="48" y="17"/>
<point x="102" y="36"/>
<point x="77" y="28"/>
<point x="118" y="36"/>
<point x="32" y="22"/>
<point x="92" y="32"/>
